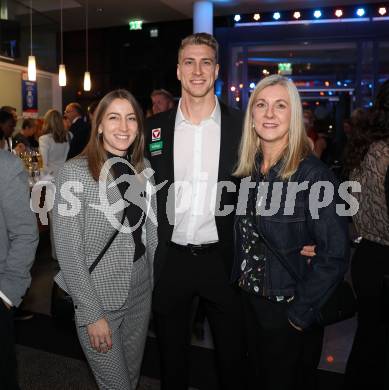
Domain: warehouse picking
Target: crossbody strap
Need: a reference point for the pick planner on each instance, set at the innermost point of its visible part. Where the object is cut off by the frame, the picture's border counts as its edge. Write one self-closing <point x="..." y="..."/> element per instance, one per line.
<point x="279" y="257"/>
<point x="107" y="245"/>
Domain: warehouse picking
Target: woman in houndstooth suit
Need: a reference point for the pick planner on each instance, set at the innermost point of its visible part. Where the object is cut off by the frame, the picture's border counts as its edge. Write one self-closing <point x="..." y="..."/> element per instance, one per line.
<point x="107" y="183"/>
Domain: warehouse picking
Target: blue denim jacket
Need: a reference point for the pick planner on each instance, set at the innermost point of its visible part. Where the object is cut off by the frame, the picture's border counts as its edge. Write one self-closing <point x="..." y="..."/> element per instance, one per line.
<point x="287" y="234"/>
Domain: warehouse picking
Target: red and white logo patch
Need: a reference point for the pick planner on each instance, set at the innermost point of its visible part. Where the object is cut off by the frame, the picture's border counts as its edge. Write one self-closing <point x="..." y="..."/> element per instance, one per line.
<point x="156" y="134"/>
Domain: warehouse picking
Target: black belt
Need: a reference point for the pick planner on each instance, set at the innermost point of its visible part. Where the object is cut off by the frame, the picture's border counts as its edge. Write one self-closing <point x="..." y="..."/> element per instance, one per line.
<point x="195" y="250"/>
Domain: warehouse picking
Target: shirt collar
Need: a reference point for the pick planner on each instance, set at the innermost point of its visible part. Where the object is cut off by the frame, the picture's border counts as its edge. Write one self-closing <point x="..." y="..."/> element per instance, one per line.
<point x="215" y="115"/>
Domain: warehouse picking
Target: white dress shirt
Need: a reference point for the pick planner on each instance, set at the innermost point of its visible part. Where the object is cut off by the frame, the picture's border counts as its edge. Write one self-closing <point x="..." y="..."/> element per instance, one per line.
<point x="196" y="168"/>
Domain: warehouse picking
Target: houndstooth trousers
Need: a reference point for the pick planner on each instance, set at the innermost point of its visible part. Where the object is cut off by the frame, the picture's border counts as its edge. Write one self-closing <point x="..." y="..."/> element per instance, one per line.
<point x="119" y="368"/>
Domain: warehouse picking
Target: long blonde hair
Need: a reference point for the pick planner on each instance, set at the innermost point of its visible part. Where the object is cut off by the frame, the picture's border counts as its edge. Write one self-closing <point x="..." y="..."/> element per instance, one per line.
<point x="53" y="124"/>
<point x="250" y="145"/>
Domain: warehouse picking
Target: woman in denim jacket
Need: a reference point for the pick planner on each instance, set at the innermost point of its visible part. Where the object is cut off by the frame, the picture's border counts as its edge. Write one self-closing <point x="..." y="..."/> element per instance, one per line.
<point x="293" y="201"/>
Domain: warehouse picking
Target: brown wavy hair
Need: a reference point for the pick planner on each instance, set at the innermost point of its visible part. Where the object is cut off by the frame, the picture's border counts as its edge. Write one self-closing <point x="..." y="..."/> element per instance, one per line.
<point x="53" y="124"/>
<point x="94" y="150"/>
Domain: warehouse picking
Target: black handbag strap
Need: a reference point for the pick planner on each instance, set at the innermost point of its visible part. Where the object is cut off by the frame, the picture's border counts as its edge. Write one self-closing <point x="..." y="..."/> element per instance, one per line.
<point x="107" y="245"/>
<point x="280" y="258"/>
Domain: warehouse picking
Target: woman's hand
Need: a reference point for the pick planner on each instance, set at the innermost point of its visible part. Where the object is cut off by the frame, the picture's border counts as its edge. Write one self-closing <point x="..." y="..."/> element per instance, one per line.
<point x="100" y="335"/>
<point x="308" y="251"/>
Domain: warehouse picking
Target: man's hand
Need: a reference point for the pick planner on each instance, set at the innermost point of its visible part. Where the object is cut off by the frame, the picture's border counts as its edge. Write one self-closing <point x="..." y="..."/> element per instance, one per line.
<point x="100" y="335"/>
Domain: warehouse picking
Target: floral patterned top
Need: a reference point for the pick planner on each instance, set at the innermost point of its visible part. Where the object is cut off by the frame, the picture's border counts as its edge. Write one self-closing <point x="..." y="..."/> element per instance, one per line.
<point x="253" y="263"/>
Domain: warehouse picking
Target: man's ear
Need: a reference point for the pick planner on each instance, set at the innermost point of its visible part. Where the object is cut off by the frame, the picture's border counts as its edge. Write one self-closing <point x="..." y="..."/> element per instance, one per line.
<point x="178" y="72"/>
<point x="217" y="71"/>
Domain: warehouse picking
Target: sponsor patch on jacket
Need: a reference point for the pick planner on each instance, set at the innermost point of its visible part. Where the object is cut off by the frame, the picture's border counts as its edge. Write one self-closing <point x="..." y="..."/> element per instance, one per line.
<point x="156" y="134"/>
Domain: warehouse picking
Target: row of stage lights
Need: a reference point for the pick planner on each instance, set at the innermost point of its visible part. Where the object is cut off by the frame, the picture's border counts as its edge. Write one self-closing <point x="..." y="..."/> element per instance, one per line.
<point x="327" y="84"/>
<point x="337" y="13"/>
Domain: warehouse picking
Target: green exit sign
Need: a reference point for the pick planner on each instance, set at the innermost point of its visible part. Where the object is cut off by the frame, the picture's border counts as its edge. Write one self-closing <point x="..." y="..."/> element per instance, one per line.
<point x="135" y="25"/>
<point x="285" y="68"/>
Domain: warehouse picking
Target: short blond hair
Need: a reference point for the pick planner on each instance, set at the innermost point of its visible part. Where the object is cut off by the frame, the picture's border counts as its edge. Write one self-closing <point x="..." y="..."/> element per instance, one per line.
<point x="200" y="39"/>
<point x="298" y="145"/>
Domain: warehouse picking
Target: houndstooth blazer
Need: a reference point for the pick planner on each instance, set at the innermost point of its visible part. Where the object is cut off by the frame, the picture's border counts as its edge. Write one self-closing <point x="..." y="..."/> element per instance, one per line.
<point x="82" y="229"/>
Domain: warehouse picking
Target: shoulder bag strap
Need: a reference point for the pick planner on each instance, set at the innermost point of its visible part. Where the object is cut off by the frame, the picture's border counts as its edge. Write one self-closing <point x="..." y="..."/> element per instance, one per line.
<point x="107" y="245"/>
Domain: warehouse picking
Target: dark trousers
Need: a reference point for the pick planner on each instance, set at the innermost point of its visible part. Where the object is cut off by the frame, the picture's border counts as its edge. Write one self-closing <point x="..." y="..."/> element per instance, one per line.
<point x="184" y="277"/>
<point x="370" y="351"/>
<point x="8" y="378"/>
<point x="280" y="357"/>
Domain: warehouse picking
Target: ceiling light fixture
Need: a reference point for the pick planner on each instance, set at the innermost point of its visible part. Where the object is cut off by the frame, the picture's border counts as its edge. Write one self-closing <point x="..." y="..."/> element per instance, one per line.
<point x="62" y="69"/>
<point x="87" y="78"/>
<point x="31" y="68"/>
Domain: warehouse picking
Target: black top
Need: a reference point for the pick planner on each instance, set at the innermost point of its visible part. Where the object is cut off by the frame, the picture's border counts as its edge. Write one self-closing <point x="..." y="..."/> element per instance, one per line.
<point x="131" y="192"/>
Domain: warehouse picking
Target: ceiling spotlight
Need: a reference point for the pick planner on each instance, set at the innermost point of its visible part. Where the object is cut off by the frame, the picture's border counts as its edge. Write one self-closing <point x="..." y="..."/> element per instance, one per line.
<point x="327" y="83"/>
<point x="257" y="17"/>
<point x="276" y="15"/>
<point x="382" y="11"/>
<point x="233" y="88"/>
<point x="237" y="18"/>
<point x="297" y="15"/>
<point x="361" y="12"/>
<point x="252" y="85"/>
<point x="338" y="13"/>
<point x="317" y="14"/>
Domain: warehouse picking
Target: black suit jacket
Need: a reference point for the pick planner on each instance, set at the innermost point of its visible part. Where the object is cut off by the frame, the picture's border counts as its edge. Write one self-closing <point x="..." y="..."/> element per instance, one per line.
<point x="81" y="134"/>
<point x="163" y="165"/>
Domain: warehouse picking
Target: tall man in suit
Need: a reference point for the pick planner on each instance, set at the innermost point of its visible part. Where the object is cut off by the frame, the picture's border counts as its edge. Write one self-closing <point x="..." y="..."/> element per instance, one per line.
<point x="79" y="129"/>
<point x="18" y="242"/>
<point x="195" y="143"/>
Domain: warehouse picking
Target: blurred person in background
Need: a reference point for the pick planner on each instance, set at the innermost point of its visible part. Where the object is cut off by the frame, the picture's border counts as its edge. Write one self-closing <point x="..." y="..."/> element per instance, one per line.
<point x="25" y="138"/>
<point x="367" y="161"/>
<point x="316" y="140"/>
<point x="162" y="100"/>
<point x="79" y="129"/>
<point x="7" y="127"/>
<point x="54" y="144"/>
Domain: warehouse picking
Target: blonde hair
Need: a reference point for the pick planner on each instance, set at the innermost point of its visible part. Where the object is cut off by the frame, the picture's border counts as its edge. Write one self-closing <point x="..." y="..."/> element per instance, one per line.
<point x="298" y="145"/>
<point x="94" y="150"/>
<point x="53" y="124"/>
<point x="200" y="39"/>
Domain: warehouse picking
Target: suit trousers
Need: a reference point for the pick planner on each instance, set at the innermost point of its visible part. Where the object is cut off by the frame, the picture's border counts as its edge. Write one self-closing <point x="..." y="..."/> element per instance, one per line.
<point x="280" y="356"/>
<point x="119" y="368"/>
<point x="184" y="277"/>
<point x="8" y="375"/>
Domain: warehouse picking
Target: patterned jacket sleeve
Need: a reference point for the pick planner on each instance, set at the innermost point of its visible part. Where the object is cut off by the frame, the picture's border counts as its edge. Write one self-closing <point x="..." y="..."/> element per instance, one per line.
<point x="68" y="222"/>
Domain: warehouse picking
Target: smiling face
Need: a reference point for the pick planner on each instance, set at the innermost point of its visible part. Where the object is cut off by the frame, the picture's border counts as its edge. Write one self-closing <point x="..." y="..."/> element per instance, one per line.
<point x="197" y="70"/>
<point x="271" y="115"/>
<point x="118" y="127"/>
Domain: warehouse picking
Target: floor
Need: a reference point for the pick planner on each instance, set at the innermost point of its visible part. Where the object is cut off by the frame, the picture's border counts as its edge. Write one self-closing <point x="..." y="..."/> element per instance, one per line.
<point x="58" y="340"/>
